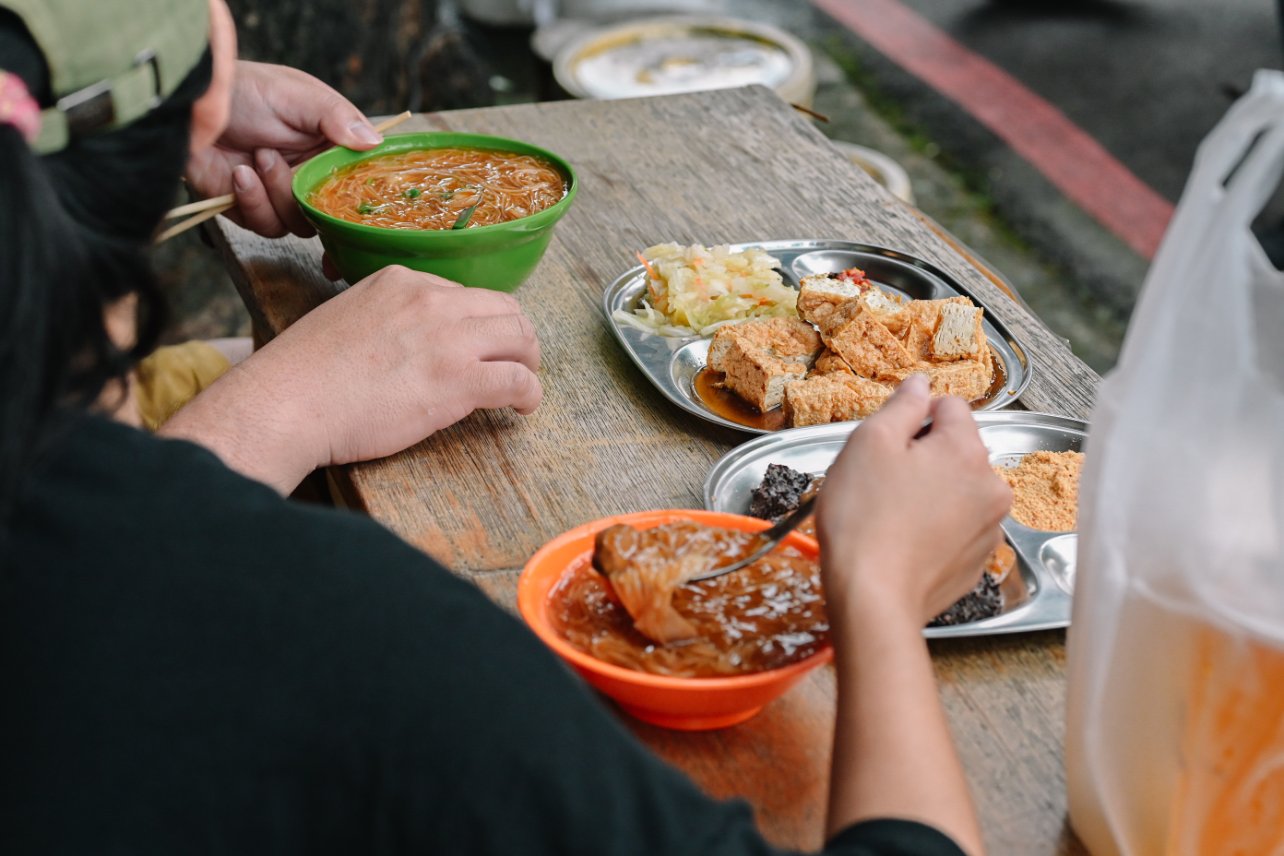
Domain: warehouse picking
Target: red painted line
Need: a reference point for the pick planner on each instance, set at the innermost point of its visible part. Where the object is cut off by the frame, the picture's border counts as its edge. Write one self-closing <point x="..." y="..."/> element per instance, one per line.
<point x="1070" y="159"/>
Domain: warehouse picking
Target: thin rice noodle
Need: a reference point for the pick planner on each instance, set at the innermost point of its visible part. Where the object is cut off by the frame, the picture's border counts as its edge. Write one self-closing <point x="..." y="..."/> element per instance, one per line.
<point x="762" y="617"/>
<point x="430" y="188"/>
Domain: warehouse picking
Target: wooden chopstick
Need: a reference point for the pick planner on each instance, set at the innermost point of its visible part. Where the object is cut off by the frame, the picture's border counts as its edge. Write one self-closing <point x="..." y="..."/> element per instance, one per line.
<point x="215" y="205"/>
<point x="198" y="206"/>
<point x="810" y="112"/>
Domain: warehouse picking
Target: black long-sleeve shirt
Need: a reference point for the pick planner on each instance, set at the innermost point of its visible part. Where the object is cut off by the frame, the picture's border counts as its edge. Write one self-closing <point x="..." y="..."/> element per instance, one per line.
<point x="189" y="663"/>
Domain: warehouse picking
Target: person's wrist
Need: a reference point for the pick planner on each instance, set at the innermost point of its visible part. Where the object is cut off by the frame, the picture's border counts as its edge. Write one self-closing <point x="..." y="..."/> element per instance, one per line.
<point x="871" y="591"/>
<point x="253" y="431"/>
<point x="287" y="412"/>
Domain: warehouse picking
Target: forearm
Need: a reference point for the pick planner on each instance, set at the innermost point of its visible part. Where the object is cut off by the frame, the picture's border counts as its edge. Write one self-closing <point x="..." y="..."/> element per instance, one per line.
<point x="245" y="424"/>
<point x="893" y="753"/>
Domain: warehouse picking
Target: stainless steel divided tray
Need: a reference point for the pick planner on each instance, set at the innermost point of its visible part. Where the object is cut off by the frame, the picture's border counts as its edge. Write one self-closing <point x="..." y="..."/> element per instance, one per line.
<point x="1038" y="598"/>
<point x="671" y="363"/>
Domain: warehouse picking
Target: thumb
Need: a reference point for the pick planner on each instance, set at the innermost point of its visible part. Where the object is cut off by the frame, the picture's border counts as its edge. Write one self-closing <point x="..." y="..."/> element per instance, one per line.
<point x="904" y="412"/>
<point x="344" y="125"/>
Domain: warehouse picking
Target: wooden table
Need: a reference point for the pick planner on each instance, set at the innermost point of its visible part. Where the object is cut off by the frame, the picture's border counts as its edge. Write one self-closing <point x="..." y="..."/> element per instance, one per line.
<point x="718" y="167"/>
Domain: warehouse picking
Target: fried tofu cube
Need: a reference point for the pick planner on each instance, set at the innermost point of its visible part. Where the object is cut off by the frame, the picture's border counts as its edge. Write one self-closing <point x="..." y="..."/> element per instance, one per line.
<point x="882" y="303"/>
<point x="830" y="363"/>
<point x="857" y="335"/>
<point x="719" y="345"/>
<point x="968" y="379"/>
<point x="821" y="399"/>
<point x="759" y="357"/>
<point x="821" y="294"/>
<point x="759" y="377"/>
<point x="788" y="338"/>
<point x="917" y="322"/>
<point x="724" y="338"/>
<point x="791" y="338"/>
<point x="958" y="333"/>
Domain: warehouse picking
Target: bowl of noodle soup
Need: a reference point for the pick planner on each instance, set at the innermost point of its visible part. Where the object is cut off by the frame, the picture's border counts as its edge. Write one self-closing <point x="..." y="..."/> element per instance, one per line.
<point x="671" y="701"/>
<point x="475" y="209"/>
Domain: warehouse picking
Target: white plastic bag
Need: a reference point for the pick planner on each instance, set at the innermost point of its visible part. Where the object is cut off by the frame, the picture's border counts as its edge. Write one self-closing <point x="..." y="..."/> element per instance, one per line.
<point x="1175" y="739"/>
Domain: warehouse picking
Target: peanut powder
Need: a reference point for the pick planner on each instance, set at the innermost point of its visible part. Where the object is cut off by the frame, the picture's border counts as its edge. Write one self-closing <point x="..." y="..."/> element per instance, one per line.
<point x="1045" y="490"/>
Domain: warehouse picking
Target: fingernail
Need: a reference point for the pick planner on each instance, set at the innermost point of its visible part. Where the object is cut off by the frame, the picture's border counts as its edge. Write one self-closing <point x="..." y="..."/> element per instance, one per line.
<point x="365" y="133"/>
<point x="242" y="178"/>
<point x="917" y="384"/>
<point x="266" y="159"/>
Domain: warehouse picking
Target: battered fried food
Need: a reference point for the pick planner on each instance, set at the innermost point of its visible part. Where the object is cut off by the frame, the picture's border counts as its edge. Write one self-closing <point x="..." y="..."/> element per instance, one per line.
<point x="760" y="357"/>
<point x="838" y="397"/>
<point x="871" y="342"/>
<point x="856" y="334"/>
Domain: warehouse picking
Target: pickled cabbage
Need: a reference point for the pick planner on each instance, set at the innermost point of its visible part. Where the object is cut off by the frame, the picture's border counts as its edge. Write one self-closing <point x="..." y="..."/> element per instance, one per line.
<point x="695" y="290"/>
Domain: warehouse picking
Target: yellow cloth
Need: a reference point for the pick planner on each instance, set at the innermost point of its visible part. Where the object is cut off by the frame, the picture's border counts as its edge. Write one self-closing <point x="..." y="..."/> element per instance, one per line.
<point x="172" y="376"/>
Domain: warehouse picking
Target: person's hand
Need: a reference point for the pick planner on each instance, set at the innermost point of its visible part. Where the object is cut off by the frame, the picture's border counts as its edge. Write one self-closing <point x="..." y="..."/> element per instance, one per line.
<point x="905" y="524"/>
<point x="368" y="373"/>
<point x="279" y="117"/>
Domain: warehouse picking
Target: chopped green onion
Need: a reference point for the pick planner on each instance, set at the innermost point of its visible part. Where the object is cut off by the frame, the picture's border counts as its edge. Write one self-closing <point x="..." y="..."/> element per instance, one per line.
<point x="464" y="216"/>
<point x="412" y="193"/>
<point x="366" y="208"/>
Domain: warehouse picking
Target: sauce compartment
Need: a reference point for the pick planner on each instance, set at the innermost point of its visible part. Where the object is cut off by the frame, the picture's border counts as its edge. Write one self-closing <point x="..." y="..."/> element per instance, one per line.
<point x="891" y="274"/>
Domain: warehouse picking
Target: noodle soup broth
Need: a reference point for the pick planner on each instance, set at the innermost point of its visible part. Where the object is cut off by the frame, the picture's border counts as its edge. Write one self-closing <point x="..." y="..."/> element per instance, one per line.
<point x="668" y="700"/>
<point x="767" y="615"/>
<point x="441" y="188"/>
<point x="399" y="204"/>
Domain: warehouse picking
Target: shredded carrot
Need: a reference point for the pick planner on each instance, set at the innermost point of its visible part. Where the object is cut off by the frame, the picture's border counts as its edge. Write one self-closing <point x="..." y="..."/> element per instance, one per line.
<point x="650" y="271"/>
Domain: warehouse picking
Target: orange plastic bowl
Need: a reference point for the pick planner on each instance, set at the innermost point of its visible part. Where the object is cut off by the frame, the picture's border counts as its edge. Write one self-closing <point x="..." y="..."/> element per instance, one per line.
<point x="689" y="704"/>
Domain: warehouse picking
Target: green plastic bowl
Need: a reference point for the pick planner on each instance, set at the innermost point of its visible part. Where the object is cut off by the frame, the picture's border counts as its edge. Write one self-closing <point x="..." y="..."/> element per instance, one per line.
<point x="498" y="257"/>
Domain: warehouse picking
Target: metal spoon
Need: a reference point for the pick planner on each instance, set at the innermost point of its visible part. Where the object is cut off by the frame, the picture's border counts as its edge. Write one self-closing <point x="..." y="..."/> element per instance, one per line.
<point x="770" y="539"/>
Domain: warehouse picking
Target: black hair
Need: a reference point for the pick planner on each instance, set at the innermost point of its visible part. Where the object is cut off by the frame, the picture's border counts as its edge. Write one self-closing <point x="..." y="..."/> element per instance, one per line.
<point x="75" y="230"/>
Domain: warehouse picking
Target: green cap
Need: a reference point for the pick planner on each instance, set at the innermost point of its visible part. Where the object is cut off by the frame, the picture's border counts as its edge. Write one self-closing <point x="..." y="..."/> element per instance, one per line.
<point x="111" y="61"/>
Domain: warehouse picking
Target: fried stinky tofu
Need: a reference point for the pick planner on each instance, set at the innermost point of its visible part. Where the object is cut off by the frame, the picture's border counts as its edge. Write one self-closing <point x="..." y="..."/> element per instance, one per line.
<point x="836" y="397"/>
<point x="830" y="363"/>
<point x="759" y="377"/>
<point x="968" y="379"/>
<point x="958" y="333"/>
<point x="788" y="338"/>
<point x="885" y="306"/>
<point x="821" y="294"/>
<point x="915" y="323"/>
<point x="869" y="341"/>
<point x="759" y="357"/>
<point x="856" y="334"/>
